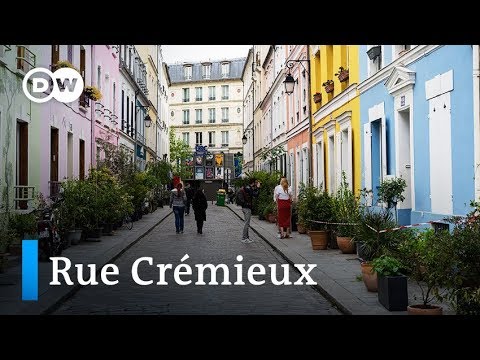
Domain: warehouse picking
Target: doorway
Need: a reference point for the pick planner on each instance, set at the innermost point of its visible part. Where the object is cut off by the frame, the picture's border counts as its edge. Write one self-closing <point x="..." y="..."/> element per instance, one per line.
<point x="404" y="155"/>
<point x="22" y="162"/>
<point x="53" y="162"/>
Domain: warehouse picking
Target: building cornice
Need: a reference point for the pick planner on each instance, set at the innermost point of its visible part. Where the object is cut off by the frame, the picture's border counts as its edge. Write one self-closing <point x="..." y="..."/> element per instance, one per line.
<point x="299" y="128"/>
<point x="201" y="126"/>
<point x="408" y="58"/>
<point x="341" y="99"/>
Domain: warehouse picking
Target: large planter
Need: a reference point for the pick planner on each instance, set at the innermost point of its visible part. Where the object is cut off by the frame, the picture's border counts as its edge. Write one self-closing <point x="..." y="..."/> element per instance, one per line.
<point x="369" y="277"/>
<point x="94" y="233"/>
<point x="392" y="292"/>
<point x="74" y="236"/>
<point x="319" y="239"/>
<point x="272" y="218"/>
<point x="420" y="310"/>
<point x="301" y="229"/>
<point x="107" y="229"/>
<point x="346" y="245"/>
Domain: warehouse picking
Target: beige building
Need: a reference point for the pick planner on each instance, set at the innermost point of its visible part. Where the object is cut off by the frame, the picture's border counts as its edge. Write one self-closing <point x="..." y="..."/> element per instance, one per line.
<point x="206" y="104"/>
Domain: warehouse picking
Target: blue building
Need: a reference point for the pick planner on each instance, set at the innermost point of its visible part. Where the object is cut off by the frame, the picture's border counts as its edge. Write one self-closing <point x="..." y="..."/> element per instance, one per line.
<point x="417" y="117"/>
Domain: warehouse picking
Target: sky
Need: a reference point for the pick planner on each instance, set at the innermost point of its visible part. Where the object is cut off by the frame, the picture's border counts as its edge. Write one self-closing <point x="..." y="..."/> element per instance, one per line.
<point x="181" y="53"/>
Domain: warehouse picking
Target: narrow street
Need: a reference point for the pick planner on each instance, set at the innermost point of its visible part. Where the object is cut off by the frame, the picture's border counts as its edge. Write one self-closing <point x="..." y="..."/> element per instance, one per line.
<point x="219" y="244"/>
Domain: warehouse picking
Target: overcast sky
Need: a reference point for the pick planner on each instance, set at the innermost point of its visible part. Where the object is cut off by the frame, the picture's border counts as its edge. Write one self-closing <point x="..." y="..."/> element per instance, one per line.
<point x="181" y="53"/>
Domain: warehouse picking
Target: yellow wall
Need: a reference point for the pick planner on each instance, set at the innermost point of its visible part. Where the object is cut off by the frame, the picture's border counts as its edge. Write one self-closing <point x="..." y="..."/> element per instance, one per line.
<point x="324" y="65"/>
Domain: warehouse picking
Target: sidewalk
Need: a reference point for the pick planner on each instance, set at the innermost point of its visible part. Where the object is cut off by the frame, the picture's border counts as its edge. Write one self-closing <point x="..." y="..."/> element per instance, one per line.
<point x="335" y="274"/>
<point x="100" y="253"/>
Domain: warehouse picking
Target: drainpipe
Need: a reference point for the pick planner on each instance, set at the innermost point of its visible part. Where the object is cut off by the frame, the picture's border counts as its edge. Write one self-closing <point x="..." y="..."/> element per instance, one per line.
<point x="272" y="100"/>
<point x="476" y="117"/>
<point x="92" y="110"/>
<point x="310" y="158"/>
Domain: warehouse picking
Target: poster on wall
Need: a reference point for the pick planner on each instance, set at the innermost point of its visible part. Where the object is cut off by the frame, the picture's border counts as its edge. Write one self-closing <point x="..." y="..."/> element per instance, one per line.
<point x="199" y="173"/>
<point x="198" y="160"/>
<point x="189" y="161"/>
<point x="219" y="173"/>
<point x="209" y="159"/>
<point x="218" y="160"/>
<point x="209" y="173"/>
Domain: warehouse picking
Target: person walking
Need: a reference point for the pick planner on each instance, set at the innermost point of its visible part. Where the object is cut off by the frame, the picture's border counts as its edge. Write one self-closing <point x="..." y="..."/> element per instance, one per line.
<point x="283" y="199"/>
<point x="200" y="205"/>
<point x="245" y="199"/>
<point x="189" y="192"/>
<point x="178" y="200"/>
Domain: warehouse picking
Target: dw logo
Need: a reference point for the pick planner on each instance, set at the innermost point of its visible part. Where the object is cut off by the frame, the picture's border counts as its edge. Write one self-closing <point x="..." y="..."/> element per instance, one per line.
<point x="67" y="85"/>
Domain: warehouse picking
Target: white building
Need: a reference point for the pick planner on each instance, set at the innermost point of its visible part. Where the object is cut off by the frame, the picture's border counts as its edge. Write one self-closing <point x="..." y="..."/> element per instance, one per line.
<point x="163" y="145"/>
<point x="206" y="104"/>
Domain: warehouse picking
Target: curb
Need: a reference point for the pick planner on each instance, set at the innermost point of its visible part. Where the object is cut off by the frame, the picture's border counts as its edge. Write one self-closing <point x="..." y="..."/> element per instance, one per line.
<point x="317" y="287"/>
<point x="77" y="287"/>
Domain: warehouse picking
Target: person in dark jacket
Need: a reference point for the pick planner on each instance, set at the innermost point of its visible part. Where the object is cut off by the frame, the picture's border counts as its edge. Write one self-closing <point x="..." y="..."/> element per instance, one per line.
<point x="200" y="205"/>
<point x="189" y="191"/>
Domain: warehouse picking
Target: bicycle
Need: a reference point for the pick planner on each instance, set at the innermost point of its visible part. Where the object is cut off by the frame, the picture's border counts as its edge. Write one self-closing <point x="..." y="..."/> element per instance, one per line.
<point x="127" y="222"/>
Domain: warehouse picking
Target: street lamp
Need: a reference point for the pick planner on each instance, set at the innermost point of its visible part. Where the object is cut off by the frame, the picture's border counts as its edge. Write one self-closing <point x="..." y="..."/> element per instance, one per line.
<point x="244" y="139"/>
<point x="148" y="121"/>
<point x="289" y="83"/>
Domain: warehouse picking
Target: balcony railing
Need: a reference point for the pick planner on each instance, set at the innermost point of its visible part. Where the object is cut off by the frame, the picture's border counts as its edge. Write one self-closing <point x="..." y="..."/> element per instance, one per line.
<point x="140" y="138"/>
<point x="198" y="122"/>
<point x="225" y="145"/>
<point x="211" y="121"/>
<point x="225" y="97"/>
<point x="211" y="145"/>
<point x="54" y="189"/>
<point x="224" y="120"/>
<point x="25" y="59"/>
<point x="23" y="194"/>
<point x="211" y="98"/>
<point x="186" y="99"/>
<point x="198" y="99"/>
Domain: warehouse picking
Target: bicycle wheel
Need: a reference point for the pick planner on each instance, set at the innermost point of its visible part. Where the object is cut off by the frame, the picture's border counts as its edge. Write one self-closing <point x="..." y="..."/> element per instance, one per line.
<point x="128" y="223"/>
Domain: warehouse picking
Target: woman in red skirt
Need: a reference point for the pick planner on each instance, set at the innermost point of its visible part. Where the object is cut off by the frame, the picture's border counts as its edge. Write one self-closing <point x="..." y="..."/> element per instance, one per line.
<point x="283" y="197"/>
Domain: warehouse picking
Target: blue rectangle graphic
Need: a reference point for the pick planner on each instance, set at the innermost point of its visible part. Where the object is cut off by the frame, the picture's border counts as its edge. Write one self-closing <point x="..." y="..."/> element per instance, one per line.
<point x="30" y="270"/>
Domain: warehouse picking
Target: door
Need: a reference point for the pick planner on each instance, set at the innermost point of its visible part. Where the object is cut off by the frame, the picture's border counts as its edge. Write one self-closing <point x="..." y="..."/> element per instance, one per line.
<point x="70" y="155"/>
<point x="82" y="63"/>
<point x="81" y="162"/>
<point x="440" y="155"/>
<point x="53" y="161"/>
<point x="404" y="156"/>
<point x="55" y="54"/>
<point x="22" y="162"/>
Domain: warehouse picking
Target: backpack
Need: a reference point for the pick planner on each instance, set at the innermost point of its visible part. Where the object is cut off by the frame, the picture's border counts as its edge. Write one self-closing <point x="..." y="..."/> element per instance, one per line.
<point x="240" y="198"/>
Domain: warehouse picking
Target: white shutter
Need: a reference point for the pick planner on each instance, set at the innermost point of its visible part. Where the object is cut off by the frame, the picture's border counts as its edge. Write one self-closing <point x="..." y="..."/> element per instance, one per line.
<point x="338" y="160"/>
<point x="367" y="157"/>
<point x="384" y="147"/>
<point x="350" y="159"/>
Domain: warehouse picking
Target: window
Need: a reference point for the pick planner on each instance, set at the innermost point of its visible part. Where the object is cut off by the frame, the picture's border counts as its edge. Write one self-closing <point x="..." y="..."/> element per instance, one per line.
<point x="206" y="71"/>
<point x="224" y="138"/>
<point x="331" y="163"/>
<point x="211" y="93"/>
<point x="224" y="92"/>
<point x="198" y="94"/>
<point x="186" y="117"/>
<point x="375" y="64"/>
<point x="123" y="111"/>
<point x="114" y="90"/>
<point x="187" y="72"/>
<point x="320" y="172"/>
<point x="211" y="138"/>
<point x="224" y="114"/>
<point x="128" y="114"/>
<point x="132" y="120"/>
<point x="198" y="138"/>
<point x="225" y="70"/>
<point x="399" y="50"/>
<point x="198" y="116"/>
<point x="186" y="138"/>
<point x="186" y="94"/>
<point x="99" y="77"/>
<point x="211" y="116"/>
<point x="70" y="53"/>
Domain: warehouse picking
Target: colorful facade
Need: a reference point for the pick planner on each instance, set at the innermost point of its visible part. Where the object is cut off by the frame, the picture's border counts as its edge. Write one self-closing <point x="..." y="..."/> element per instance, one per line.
<point x="335" y="116"/>
<point x="417" y="118"/>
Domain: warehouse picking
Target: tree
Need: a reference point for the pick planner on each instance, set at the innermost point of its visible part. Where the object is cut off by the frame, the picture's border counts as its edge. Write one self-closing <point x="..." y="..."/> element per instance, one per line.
<point x="179" y="152"/>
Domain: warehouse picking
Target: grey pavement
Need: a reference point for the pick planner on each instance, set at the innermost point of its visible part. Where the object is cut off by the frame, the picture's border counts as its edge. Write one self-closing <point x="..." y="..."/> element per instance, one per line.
<point x="336" y="274"/>
<point x="219" y="244"/>
<point x="98" y="252"/>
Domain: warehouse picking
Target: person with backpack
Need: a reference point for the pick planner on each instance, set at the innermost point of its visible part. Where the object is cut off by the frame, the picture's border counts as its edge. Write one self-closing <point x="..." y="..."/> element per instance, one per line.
<point x="245" y="199"/>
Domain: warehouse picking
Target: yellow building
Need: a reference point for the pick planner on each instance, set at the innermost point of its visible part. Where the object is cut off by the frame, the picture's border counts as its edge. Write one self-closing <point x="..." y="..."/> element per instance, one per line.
<point x="335" y="116"/>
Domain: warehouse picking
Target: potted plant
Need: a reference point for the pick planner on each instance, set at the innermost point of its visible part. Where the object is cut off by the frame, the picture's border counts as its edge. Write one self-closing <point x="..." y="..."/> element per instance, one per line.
<point x="342" y="74"/>
<point x="63" y="64"/>
<point x="425" y="261"/>
<point x="346" y="208"/>
<point x="24" y="226"/>
<point x="92" y="93"/>
<point x="392" y="283"/>
<point x="374" y="52"/>
<point x="329" y="85"/>
<point x="391" y="192"/>
<point x="317" y="98"/>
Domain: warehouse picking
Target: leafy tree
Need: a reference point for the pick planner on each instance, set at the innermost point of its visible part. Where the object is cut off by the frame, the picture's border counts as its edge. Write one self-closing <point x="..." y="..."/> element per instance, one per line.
<point x="179" y="152"/>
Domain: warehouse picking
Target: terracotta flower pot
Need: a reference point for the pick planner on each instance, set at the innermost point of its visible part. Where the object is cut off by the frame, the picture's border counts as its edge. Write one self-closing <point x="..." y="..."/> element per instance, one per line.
<point x="301" y="229"/>
<point x="319" y="239"/>
<point x="346" y="245"/>
<point x="369" y="277"/>
<point x="421" y="310"/>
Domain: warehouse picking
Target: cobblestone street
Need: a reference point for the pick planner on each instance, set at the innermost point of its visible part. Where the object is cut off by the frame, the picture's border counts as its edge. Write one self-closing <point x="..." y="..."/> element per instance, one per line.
<point x="219" y="244"/>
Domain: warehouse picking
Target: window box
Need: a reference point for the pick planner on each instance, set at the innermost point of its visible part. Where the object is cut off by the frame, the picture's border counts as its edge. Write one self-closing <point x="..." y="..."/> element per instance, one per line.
<point x="342" y="74"/>
<point x="374" y="52"/>
<point x="211" y="145"/>
<point x="317" y="98"/>
<point x="329" y="86"/>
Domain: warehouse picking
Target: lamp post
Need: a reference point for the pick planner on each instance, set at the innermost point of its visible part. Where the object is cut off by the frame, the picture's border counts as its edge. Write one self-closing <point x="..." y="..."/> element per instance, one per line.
<point x="289" y="83"/>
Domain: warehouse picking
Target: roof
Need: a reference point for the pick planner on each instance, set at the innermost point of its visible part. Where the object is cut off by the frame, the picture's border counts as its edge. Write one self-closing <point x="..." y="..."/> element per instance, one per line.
<point x="176" y="73"/>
